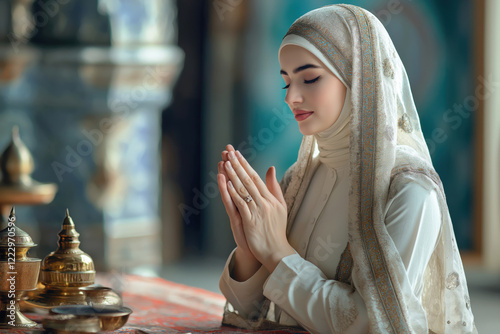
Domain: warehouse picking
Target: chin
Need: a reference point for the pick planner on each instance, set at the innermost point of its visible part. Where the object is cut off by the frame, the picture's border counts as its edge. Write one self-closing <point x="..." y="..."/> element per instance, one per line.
<point x="308" y="130"/>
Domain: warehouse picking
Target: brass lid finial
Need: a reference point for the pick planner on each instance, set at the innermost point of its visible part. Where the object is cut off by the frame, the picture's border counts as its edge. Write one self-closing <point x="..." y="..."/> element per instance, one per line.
<point x="16" y="162"/>
<point x="68" y="220"/>
<point x="68" y="236"/>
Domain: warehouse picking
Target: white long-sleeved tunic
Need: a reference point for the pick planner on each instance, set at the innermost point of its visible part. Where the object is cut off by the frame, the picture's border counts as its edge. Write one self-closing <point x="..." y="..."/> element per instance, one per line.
<point x="303" y="287"/>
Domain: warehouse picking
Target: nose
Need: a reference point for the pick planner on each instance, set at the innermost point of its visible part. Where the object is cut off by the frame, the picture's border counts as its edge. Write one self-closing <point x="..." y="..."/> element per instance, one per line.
<point x="293" y="96"/>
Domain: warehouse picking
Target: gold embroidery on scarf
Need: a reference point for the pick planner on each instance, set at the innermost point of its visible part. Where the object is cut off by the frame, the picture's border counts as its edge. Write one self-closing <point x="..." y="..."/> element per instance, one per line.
<point x="430" y="173"/>
<point x="344" y="269"/>
<point x="347" y="314"/>
<point x="368" y="123"/>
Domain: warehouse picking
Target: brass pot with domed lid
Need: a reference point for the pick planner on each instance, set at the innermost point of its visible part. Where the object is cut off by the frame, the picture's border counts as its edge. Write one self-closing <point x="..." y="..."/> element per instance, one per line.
<point x="64" y="272"/>
<point x="18" y="274"/>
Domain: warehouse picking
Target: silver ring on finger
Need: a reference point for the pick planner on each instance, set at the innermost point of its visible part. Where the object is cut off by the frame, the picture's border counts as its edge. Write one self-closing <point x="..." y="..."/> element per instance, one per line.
<point x="248" y="199"/>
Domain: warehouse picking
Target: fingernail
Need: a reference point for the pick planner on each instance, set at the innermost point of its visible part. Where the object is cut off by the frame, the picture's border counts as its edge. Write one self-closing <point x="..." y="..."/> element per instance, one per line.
<point x="230" y="184"/>
<point x="231" y="155"/>
<point x="239" y="154"/>
<point x="228" y="165"/>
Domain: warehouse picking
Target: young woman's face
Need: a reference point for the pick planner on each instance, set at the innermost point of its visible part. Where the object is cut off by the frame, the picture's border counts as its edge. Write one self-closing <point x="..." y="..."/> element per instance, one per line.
<point x="314" y="94"/>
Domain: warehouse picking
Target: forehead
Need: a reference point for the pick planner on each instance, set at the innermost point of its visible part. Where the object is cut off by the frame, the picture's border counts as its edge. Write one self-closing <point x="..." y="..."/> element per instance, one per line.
<point x="293" y="54"/>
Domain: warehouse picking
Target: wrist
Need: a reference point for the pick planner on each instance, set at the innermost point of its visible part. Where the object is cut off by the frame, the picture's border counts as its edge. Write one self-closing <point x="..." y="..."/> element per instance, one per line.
<point x="245" y="265"/>
<point x="275" y="258"/>
<point x="245" y="256"/>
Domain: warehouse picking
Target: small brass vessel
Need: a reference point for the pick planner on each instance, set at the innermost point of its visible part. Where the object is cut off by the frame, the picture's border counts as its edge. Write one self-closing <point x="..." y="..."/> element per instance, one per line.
<point x="110" y="317"/>
<point x="18" y="274"/>
<point x="101" y="295"/>
<point x="64" y="272"/>
<point x="16" y="185"/>
<point x="71" y="324"/>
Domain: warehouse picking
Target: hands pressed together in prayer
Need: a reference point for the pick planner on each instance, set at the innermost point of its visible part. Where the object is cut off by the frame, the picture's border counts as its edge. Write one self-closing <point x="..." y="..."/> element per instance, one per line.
<point x="257" y="212"/>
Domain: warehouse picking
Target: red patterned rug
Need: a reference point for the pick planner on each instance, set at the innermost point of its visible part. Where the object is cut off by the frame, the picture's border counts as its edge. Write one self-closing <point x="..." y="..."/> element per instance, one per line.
<point x="160" y="306"/>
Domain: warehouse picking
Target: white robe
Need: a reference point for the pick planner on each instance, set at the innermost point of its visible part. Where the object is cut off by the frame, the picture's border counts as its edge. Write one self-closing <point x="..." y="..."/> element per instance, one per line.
<point x="302" y="286"/>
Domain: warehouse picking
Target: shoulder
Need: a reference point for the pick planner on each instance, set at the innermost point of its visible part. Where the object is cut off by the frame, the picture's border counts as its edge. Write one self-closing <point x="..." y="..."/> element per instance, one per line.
<point x="408" y="182"/>
<point x="412" y="197"/>
<point x="409" y="189"/>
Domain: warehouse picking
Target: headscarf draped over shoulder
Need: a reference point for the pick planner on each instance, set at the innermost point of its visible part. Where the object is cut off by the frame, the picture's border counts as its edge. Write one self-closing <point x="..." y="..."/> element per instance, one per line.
<point x="387" y="150"/>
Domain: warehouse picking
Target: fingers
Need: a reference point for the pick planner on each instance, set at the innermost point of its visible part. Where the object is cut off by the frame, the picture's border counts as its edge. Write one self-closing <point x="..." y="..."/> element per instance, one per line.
<point x="241" y="166"/>
<point x="225" y="157"/>
<point x="243" y="190"/>
<point x="240" y="203"/>
<point x="273" y="185"/>
<point x="223" y="189"/>
<point x="240" y="188"/>
<point x="224" y="153"/>
<point x="222" y="170"/>
<point x="235" y="199"/>
<point x="226" y="197"/>
<point x="235" y="205"/>
<point x="245" y="175"/>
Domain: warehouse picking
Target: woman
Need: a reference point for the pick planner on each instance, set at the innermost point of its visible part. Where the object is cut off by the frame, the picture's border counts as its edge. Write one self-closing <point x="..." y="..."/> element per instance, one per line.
<point x="356" y="237"/>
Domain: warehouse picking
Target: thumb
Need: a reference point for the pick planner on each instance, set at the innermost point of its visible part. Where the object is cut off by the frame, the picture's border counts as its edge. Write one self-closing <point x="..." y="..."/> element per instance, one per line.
<point x="273" y="185"/>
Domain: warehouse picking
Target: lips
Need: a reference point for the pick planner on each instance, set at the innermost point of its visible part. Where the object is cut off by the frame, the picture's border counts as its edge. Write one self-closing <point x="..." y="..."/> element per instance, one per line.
<point x="301" y="115"/>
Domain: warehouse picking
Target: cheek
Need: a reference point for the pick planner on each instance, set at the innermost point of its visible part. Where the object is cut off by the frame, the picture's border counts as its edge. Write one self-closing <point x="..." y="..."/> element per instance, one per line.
<point x="327" y="102"/>
<point x="320" y="97"/>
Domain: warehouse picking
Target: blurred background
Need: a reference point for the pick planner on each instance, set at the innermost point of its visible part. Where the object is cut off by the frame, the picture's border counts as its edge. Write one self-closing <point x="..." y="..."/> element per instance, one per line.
<point x="126" y="105"/>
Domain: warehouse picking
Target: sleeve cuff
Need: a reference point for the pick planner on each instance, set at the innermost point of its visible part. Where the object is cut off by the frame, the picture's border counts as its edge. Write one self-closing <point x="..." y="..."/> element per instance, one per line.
<point x="276" y="284"/>
<point x="244" y="296"/>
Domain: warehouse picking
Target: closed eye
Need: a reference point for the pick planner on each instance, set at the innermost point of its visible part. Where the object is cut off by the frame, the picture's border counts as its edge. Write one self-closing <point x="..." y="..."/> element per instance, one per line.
<point x="311" y="81"/>
<point x="305" y="81"/>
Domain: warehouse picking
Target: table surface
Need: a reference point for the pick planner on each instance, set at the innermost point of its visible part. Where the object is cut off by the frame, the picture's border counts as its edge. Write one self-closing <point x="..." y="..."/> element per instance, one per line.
<point x="160" y="306"/>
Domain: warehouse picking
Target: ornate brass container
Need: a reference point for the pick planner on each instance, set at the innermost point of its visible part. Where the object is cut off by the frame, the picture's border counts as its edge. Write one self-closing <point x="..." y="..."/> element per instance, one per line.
<point x="110" y="317"/>
<point x="71" y="324"/>
<point x="16" y="184"/>
<point x="101" y="295"/>
<point x="64" y="272"/>
<point x="18" y="273"/>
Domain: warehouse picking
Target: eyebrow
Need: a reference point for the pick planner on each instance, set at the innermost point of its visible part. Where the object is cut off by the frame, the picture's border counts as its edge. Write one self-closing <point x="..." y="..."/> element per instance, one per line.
<point x="301" y="68"/>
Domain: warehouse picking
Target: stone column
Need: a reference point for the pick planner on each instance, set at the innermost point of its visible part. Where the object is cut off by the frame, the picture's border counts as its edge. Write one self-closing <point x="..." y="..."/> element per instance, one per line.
<point x="87" y="87"/>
